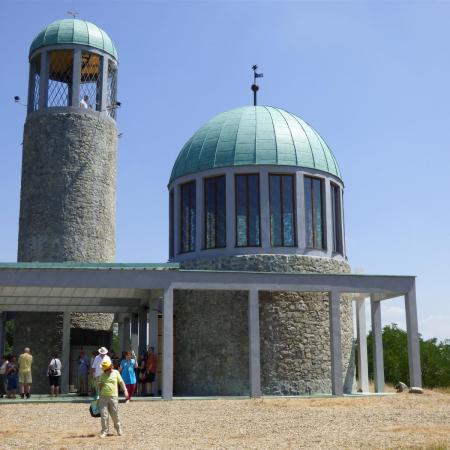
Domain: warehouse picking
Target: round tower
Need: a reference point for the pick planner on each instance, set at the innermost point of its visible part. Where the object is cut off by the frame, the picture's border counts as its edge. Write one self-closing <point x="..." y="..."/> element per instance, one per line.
<point x="257" y="189"/>
<point x="68" y="190"/>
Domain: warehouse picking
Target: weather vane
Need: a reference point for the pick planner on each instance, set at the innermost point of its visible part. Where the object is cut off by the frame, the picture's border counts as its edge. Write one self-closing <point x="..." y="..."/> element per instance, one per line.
<point x="255" y="87"/>
<point x="73" y="13"/>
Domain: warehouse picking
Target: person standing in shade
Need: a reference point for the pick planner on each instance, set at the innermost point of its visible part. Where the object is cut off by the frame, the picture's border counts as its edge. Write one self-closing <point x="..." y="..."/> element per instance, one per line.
<point x="83" y="372"/>
<point x="151" y="368"/>
<point x="96" y="367"/>
<point x="25" y="380"/>
<point x="12" y="377"/>
<point x="108" y="402"/>
<point x="3" y="364"/>
<point x="127" y="370"/>
<point x="54" y="375"/>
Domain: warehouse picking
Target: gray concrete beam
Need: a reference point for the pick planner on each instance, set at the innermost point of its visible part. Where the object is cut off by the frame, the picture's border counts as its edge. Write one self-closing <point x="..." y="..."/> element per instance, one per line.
<point x="363" y="371"/>
<point x="254" y="344"/>
<point x="415" y="371"/>
<point x="377" y="339"/>
<point x="167" y="372"/>
<point x="337" y="382"/>
<point x="76" y="78"/>
<point x="153" y="334"/>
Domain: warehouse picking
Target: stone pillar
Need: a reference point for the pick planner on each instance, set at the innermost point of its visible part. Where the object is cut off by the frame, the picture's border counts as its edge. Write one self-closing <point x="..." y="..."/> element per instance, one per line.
<point x="142" y="331"/>
<point x="377" y="338"/>
<point x="126" y="342"/>
<point x="76" y="80"/>
<point x="65" y="353"/>
<point x="334" y="307"/>
<point x="415" y="372"/>
<point x="254" y="344"/>
<point x="135" y="332"/>
<point x="104" y="85"/>
<point x="153" y="335"/>
<point x="2" y="333"/>
<point x="167" y="372"/>
<point x="363" y="372"/>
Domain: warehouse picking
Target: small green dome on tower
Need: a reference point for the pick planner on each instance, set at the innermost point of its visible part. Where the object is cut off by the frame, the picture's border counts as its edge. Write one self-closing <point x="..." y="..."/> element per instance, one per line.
<point x="255" y="135"/>
<point x="74" y="31"/>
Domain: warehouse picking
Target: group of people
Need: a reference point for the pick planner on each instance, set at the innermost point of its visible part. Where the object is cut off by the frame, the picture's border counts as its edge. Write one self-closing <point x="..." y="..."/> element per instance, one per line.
<point x="15" y="373"/>
<point x="139" y="374"/>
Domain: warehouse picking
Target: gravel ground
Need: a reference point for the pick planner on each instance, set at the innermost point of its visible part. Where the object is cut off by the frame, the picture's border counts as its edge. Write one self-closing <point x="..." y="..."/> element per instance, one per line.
<point x="391" y="422"/>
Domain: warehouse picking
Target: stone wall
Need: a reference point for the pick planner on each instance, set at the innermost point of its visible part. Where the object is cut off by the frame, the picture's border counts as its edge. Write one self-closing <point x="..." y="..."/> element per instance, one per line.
<point x="67" y="213"/>
<point x="294" y="330"/>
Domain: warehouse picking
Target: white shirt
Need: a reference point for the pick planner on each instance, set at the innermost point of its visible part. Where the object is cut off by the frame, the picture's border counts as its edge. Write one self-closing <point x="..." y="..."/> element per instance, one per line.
<point x="55" y="363"/>
<point x="83" y="104"/>
<point x="97" y="364"/>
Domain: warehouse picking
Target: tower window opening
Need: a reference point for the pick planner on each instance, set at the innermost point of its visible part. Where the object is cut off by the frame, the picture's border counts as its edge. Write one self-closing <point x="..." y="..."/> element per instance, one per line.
<point x="60" y="78"/>
<point x="215" y="212"/>
<point x="315" y="233"/>
<point x="90" y="81"/>
<point x="188" y="213"/>
<point x="336" y="210"/>
<point x="35" y="81"/>
<point x="248" y="217"/>
<point x="171" y="235"/>
<point x="282" y="210"/>
<point x="111" y="89"/>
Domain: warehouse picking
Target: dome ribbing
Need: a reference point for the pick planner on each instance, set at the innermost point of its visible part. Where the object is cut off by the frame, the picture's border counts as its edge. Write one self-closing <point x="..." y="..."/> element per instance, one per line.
<point x="255" y="135"/>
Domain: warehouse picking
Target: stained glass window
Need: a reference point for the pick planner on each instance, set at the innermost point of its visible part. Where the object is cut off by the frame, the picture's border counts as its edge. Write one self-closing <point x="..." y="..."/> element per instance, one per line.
<point x="171" y="236"/>
<point x="336" y="217"/>
<point x="282" y="210"/>
<point x="188" y="210"/>
<point x="215" y="212"/>
<point x="247" y="211"/>
<point x="314" y="213"/>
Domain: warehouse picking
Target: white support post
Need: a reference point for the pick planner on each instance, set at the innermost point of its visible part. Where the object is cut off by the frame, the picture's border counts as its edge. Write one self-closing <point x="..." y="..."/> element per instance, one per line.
<point x="65" y="354"/>
<point x="142" y="331"/>
<point x="120" y="335"/>
<point x="103" y="86"/>
<point x="337" y="382"/>
<point x="377" y="339"/>
<point x="253" y="344"/>
<point x="363" y="371"/>
<point x="265" y="208"/>
<point x="153" y="335"/>
<point x="43" y="80"/>
<point x="300" y="210"/>
<point x="167" y="373"/>
<point x="415" y="372"/>
<point x="135" y="332"/>
<point x="76" y="78"/>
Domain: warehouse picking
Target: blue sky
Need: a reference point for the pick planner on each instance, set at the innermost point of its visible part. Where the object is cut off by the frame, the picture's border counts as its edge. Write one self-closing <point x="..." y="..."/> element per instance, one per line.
<point x="371" y="77"/>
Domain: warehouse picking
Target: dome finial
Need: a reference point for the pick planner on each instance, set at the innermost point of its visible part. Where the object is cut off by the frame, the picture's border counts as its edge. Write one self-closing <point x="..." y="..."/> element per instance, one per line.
<point x="73" y="13"/>
<point x="255" y="87"/>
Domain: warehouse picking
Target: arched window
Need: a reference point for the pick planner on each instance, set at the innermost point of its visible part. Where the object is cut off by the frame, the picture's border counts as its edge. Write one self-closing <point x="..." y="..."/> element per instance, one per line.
<point x="282" y="210"/>
<point x="248" y="220"/>
<point x="187" y="217"/>
<point x="336" y="214"/>
<point x="215" y="212"/>
<point x="315" y="228"/>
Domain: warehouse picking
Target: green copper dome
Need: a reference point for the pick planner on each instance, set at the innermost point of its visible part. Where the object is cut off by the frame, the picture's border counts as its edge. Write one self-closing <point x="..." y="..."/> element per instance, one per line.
<point x="254" y="135"/>
<point x="74" y="31"/>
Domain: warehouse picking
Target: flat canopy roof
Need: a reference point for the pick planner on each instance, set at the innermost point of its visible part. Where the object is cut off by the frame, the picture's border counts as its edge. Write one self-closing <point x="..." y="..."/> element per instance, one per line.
<point x="106" y="287"/>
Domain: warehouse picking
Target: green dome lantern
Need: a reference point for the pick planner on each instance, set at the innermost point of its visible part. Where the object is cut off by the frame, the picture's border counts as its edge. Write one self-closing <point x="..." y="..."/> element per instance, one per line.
<point x="255" y="135"/>
<point x="74" y="31"/>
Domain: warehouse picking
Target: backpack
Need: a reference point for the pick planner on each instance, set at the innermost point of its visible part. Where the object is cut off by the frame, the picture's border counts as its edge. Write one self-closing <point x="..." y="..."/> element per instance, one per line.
<point x="53" y="371"/>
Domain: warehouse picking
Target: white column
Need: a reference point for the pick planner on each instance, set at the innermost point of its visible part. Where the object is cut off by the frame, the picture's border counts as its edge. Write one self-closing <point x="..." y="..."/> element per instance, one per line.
<point x="104" y="85"/>
<point x="377" y="339"/>
<point x="254" y="344"/>
<point x="153" y="334"/>
<point x="300" y="211"/>
<point x="363" y="371"/>
<point x="43" y="80"/>
<point x="65" y="354"/>
<point x="231" y="209"/>
<point x="337" y="384"/>
<point x="265" y="208"/>
<point x="142" y="331"/>
<point x="135" y="332"/>
<point x="415" y="372"/>
<point x="76" y="80"/>
<point x="167" y="372"/>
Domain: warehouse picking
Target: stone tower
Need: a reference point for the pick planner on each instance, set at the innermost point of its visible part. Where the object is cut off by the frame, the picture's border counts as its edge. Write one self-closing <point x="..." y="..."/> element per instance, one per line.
<point x="68" y="190"/>
<point x="257" y="189"/>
